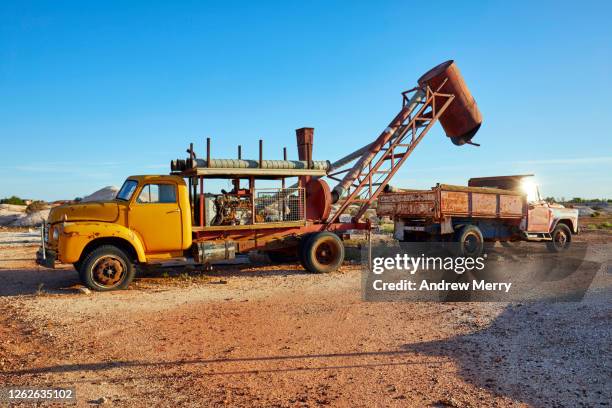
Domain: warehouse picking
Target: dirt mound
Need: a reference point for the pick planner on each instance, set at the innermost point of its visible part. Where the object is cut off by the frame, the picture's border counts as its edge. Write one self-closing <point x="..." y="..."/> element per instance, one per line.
<point x="18" y="216"/>
<point x="104" y="194"/>
<point x="7" y="217"/>
<point x="31" y="220"/>
<point x="12" y="207"/>
<point x="584" y="211"/>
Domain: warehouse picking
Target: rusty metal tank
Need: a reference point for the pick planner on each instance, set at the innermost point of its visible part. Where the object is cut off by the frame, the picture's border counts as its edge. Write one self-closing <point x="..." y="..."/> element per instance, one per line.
<point x="462" y="118"/>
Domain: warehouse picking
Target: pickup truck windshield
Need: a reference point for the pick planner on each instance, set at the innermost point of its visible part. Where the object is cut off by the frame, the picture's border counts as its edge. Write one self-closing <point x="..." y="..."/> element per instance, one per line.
<point x="127" y="190"/>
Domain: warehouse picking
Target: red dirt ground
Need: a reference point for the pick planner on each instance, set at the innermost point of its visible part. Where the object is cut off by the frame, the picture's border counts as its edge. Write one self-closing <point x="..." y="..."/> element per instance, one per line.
<point x="277" y="336"/>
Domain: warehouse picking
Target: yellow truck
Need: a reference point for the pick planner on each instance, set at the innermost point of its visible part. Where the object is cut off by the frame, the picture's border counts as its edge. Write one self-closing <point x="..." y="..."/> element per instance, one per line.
<point x="157" y="218"/>
<point x="148" y="220"/>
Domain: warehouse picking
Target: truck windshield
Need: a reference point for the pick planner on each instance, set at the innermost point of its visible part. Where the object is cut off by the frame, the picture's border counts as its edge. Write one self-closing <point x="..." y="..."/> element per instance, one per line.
<point x="127" y="190"/>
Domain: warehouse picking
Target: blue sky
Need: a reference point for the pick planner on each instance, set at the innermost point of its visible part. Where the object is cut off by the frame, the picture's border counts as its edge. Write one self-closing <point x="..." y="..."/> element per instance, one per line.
<point x="91" y="92"/>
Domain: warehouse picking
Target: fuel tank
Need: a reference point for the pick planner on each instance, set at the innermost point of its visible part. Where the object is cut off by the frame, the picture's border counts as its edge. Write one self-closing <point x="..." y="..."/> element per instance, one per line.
<point x="462" y="118"/>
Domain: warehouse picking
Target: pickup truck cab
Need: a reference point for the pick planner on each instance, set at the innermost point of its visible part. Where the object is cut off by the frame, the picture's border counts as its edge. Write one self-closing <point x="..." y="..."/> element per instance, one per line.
<point x="149" y="220"/>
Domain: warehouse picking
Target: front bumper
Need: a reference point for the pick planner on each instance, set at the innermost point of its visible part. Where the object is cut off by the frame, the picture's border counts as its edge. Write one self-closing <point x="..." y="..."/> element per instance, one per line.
<point x="46" y="259"/>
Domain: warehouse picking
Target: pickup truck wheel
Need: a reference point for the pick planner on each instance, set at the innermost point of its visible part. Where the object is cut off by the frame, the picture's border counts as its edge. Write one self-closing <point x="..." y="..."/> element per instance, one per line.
<point x="324" y="252"/>
<point x="561" y="239"/>
<point x="470" y="241"/>
<point x="107" y="268"/>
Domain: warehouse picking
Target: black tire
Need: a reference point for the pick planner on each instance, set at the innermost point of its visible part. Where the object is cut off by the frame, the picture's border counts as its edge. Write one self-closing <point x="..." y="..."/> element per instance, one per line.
<point x="561" y="239"/>
<point x="470" y="242"/>
<point x="107" y="268"/>
<point x="77" y="266"/>
<point x="323" y="252"/>
<point x="302" y="248"/>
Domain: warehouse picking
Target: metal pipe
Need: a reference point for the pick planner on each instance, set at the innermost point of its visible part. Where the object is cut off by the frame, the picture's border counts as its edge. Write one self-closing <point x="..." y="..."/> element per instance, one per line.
<point x="264" y="164"/>
<point x="42" y="239"/>
<point x="201" y="201"/>
<point x="283" y="179"/>
<point x="349" y="158"/>
<point x="194" y="188"/>
<point x="191" y="153"/>
<point x="341" y="162"/>
<point x="208" y="150"/>
<point x="252" y="197"/>
<point x="260" y="153"/>
<point x="239" y="152"/>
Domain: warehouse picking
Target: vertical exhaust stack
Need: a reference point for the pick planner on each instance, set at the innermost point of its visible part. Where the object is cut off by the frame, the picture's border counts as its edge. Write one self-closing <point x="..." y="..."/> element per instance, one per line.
<point x="305" y="139"/>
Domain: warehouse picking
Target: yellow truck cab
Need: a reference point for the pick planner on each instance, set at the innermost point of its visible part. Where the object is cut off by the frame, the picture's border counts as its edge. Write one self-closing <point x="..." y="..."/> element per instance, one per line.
<point x="149" y="220"/>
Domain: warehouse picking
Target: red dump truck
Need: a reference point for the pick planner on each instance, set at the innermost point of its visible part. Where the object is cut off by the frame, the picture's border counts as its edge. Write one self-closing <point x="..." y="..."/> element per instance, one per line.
<point x="504" y="208"/>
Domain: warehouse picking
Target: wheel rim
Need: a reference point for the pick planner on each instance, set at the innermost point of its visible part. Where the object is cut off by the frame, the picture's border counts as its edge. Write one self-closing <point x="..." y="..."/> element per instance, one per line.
<point x="560" y="239"/>
<point x="326" y="253"/>
<point x="108" y="271"/>
<point x="471" y="244"/>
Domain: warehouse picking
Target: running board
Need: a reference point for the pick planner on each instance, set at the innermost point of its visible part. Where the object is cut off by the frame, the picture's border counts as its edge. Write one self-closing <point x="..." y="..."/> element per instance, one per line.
<point x="537" y="236"/>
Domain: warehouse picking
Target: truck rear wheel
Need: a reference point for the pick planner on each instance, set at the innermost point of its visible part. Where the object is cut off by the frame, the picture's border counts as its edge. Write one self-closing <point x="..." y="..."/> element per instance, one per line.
<point x="106" y="268"/>
<point x="561" y="239"/>
<point x="302" y="248"/>
<point x="323" y="252"/>
<point x="470" y="241"/>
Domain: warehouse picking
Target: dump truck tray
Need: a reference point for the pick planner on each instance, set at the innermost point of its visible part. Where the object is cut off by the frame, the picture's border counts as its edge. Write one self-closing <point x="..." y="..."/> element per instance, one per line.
<point x="446" y="200"/>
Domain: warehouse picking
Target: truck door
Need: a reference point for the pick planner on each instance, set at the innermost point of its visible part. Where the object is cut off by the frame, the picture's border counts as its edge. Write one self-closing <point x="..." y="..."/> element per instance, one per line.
<point x="538" y="217"/>
<point x="155" y="214"/>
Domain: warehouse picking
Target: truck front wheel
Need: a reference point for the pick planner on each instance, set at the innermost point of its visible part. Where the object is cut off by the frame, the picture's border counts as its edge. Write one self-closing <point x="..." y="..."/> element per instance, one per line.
<point x="106" y="268"/>
<point x="470" y="242"/>
<point x="323" y="252"/>
<point x="561" y="239"/>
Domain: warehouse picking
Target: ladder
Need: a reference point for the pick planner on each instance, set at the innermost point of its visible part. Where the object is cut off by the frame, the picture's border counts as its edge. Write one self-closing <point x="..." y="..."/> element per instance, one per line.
<point x="421" y="109"/>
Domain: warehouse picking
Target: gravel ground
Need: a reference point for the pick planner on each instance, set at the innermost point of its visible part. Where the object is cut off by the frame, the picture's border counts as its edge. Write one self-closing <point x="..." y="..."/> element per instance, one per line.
<point x="277" y="336"/>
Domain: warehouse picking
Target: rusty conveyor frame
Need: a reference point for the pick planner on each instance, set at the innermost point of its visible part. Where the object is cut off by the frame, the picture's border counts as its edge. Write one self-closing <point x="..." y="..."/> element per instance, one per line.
<point x="396" y="151"/>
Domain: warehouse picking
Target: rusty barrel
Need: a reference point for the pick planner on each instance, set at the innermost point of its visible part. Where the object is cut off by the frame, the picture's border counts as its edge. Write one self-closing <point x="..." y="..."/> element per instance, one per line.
<point x="462" y="118"/>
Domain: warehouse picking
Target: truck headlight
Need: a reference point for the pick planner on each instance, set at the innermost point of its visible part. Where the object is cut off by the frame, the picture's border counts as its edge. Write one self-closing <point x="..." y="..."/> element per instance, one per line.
<point x="55" y="235"/>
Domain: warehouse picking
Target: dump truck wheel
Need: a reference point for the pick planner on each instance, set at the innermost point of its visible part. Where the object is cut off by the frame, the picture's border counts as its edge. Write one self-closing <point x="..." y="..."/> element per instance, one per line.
<point x="561" y="239"/>
<point x="470" y="241"/>
<point x="324" y="252"/>
<point x="107" y="268"/>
